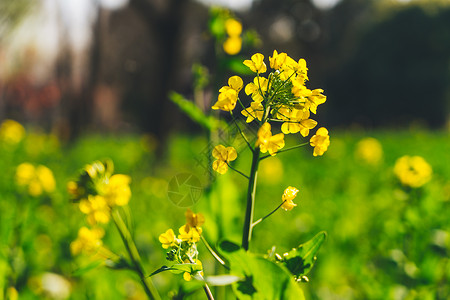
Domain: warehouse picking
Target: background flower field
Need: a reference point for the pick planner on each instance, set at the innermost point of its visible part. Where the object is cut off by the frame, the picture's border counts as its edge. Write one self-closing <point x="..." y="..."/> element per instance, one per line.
<point x="383" y="241"/>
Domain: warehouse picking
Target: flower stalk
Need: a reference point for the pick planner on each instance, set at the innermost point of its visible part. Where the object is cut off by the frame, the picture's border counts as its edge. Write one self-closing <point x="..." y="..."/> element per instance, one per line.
<point x="128" y="241"/>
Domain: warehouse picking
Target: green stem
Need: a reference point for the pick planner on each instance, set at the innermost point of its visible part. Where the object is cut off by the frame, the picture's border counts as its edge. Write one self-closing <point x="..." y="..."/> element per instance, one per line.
<point x="268" y="215"/>
<point x="128" y="241"/>
<point x="236" y="170"/>
<point x="213" y="253"/>
<point x="251" y="191"/>
<point x="287" y="149"/>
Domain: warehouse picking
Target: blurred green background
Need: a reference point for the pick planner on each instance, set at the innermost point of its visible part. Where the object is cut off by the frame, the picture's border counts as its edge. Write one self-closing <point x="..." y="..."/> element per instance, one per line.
<point x="91" y="80"/>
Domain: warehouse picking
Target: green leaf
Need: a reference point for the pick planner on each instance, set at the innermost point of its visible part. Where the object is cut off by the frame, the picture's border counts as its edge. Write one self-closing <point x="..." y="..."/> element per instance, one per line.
<point x="236" y="65"/>
<point x="194" y="112"/>
<point x="178" y="269"/>
<point x="300" y="261"/>
<point x="262" y="279"/>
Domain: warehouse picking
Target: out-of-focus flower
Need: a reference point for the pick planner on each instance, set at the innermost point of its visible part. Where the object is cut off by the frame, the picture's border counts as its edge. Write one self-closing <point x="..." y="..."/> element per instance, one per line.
<point x="268" y="142"/>
<point x="233" y="27"/>
<point x="320" y="141"/>
<point x="412" y="171"/>
<point x="117" y="190"/>
<point x="369" y="150"/>
<point x="11" y="132"/>
<point x="96" y="208"/>
<point x="256" y="64"/>
<point x="88" y="241"/>
<point x="37" y="180"/>
<point x="51" y="286"/>
<point x="232" y="45"/>
<point x="288" y="196"/>
<point x="223" y="156"/>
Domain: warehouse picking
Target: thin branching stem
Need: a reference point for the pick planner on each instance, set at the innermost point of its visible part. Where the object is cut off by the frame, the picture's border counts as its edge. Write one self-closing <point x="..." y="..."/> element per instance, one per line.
<point x="243" y="135"/>
<point x="287" y="149"/>
<point x="268" y="215"/>
<point x="236" y="170"/>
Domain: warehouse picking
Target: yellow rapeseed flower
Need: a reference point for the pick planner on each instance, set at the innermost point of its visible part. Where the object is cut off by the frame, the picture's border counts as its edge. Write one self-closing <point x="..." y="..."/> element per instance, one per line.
<point x="223" y="156"/>
<point x="256" y="64"/>
<point x="168" y="239"/>
<point x="412" y="171"/>
<point x="268" y="142"/>
<point x="11" y="132"/>
<point x="320" y="141"/>
<point x="96" y="208"/>
<point x="369" y="150"/>
<point x="37" y="180"/>
<point x="288" y="198"/>
<point x="257" y="88"/>
<point x="226" y="100"/>
<point x="46" y="179"/>
<point x="117" y="191"/>
<point x="188" y="234"/>
<point x="194" y="220"/>
<point x="277" y="61"/>
<point x="255" y="111"/>
<point x="88" y="241"/>
<point x="296" y="120"/>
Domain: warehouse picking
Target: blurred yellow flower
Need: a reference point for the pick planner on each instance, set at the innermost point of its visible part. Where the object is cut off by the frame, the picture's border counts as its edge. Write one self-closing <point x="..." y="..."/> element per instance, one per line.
<point x="412" y="171"/>
<point x="117" y="190"/>
<point x="233" y="27"/>
<point x="232" y="45"/>
<point x="288" y="196"/>
<point x="320" y="141"/>
<point x="255" y="111"/>
<point x="88" y="241"/>
<point x="11" y="132"/>
<point x="268" y="142"/>
<point x="37" y="180"/>
<point x="256" y="64"/>
<point x="369" y="150"/>
<point x="96" y="208"/>
<point x="194" y="220"/>
<point x="168" y="239"/>
<point x="188" y="234"/>
<point x="223" y="156"/>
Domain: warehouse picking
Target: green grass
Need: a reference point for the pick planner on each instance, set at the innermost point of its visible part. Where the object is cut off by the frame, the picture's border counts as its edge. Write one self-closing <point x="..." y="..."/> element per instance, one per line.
<point x="383" y="242"/>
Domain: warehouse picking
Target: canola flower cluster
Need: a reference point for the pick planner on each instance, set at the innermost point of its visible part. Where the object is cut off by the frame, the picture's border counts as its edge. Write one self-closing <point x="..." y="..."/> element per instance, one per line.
<point x="183" y="247"/>
<point x="37" y="180"/>
<point x="97" y="192"/>
<point x="281" y="97"/>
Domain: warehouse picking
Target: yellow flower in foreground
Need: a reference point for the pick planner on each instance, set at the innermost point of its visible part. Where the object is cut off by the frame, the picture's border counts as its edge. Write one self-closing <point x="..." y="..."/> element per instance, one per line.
<point x="288" y="196"/>
<point x="223" y="156"/>
<point x="194" y="220"/>
<point x="257" y="88"/>
<point x="188" y="234"/>
<point x="168" y="239"/>
<point x="296" y="120"/>
<point x="232" y="45"/>
<point x="233" y="27"/>
<point x="412" y="171"/>
<point x="255" y="111"/>
<point x="277" y="60"/>
<point x="117" y="190"/>
<point x="369" y="150"/>
<point x="11" y="132"/>
<point x="320" y="141"/>
<point x="88" y="240"/>
<point x="226" y="100"/>
<point x="268" y="142"/>
<point x="256" y="64"/>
